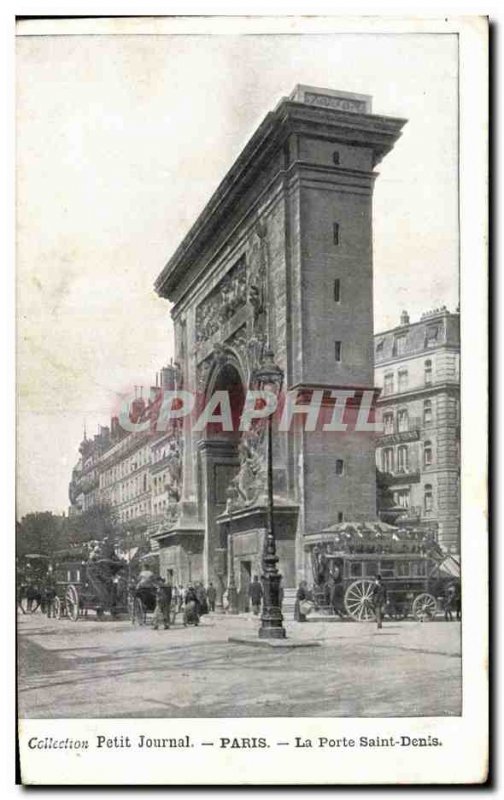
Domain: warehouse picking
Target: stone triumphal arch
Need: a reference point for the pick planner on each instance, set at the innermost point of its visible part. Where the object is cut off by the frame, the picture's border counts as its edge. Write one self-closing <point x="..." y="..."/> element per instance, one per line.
<point x="280" y="258"/>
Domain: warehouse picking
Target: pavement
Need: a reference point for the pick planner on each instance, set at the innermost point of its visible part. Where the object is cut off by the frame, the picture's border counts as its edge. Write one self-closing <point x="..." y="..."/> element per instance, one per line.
<point x="92" y="669"/>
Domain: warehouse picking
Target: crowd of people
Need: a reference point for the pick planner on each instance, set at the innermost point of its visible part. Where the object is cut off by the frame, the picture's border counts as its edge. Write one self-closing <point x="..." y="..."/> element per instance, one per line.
<point x="192" y="601"/>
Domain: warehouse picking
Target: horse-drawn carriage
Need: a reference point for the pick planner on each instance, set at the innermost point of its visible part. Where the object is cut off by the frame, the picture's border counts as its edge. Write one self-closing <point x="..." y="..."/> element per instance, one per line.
<point x="415" y="570"/>
<point x="90" y="582"/>
<point x="31" y="580"/>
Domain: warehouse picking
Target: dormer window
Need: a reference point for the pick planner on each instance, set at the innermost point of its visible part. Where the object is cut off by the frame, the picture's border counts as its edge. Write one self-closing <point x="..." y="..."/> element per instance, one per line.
<point x="399" y="345"/>
<point x="432" y="335"/>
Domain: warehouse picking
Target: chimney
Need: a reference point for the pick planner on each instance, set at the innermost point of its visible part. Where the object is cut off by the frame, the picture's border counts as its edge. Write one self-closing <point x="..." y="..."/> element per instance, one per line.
<point x="404" y="318"/>
<point x="168" y="378"/>
<point x="137" y="409"/>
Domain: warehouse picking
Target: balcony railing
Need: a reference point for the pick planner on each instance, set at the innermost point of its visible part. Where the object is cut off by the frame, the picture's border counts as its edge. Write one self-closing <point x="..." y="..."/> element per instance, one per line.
<point x="395" y="436"/>
<point x="412" y="512"/>
<point x="406" y="476"/>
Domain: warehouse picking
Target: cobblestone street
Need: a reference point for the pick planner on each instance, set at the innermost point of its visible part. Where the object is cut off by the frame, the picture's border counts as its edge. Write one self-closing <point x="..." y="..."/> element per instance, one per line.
<point x="112" y="669"/>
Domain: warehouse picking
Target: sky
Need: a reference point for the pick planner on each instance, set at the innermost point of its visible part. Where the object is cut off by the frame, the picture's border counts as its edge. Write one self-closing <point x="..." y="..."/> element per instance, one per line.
<point x="121" y="140"/>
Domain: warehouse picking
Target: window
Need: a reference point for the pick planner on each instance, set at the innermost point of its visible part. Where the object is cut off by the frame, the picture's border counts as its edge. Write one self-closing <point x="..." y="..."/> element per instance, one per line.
<point x="339" y="466"/>
<point x="387" y="568"/>
<point x="340" y="516"/>
<point x="336" y="157"/>
<point x="336" y="233"/>
<point x="402" y="458"/>
<point x="379" y="345"/>
<point x="388" y="459"/>
<point x="428" y="499"/>
<point x="388" y="383"/>
<point x="371" y="569"/>
<point x="337" y="351"/>
<point x="356" y="569"/>
<point x="418" y="569"/>
<point x="403" y="380"/>
<point x="402" y="498"/>
<point x="427" y="454"/>
<point x="452" y="409"/>
<point x="388" y="423"/>
<point x="431" y="335"/>
<point x="427" y="412"/>
<point x="399" y="345"/>
<point x="403" y="569"/>
<point x="402" y="420"/>
<point x="337" y="290"/>
<point x="428" y="372"/>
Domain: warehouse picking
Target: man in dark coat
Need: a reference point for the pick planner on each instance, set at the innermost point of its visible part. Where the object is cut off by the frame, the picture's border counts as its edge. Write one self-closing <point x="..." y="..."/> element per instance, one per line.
<point x="50" y="594"/>
<point x="211" y="594"/>
<point x="379" y="600"/>
<point x="163" y="604"/>
<point x="256" y="595"/>
<point x="458" y="600"/>
<point x="449" y="602"/>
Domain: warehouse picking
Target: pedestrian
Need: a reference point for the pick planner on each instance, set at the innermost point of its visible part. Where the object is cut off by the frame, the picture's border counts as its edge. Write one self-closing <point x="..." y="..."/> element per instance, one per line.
<point x="211" y="594"/>
<point x="379" y="599"/>
<point x="336" y="596"/>
<point x="181" y="595"/>
<point x="163" y="604"/>
<point x="303" y="604"/>
<point x="202" y="599"/>
<point x="50" y="595"/>
<point x="449" y="602"/>
<point x="256" y="595"/>
<point x="191" y="607"/>
<point x="458" y="601"/>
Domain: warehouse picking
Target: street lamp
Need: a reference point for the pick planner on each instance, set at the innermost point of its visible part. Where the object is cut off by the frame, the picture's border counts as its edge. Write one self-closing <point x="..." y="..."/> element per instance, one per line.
<point x="269" y="377"/>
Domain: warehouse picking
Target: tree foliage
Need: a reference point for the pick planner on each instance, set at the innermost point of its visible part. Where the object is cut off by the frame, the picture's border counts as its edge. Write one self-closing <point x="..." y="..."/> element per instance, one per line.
<point x="41" y="532"/>
<point x="94" y="524"/>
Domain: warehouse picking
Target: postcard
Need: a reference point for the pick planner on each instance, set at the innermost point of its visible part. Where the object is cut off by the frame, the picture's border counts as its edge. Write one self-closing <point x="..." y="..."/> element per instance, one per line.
<point x="251" y="270"/>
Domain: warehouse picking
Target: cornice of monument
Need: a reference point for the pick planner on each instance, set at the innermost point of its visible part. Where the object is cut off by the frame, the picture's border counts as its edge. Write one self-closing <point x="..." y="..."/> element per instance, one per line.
<point x="289" y="117"/>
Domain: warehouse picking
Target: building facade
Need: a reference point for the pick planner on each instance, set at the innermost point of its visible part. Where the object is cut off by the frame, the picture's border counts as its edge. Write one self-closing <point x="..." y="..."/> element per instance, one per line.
<point x="417" y="367"/>
<point x="279" y="260"/>
<point x="136" y="473"/>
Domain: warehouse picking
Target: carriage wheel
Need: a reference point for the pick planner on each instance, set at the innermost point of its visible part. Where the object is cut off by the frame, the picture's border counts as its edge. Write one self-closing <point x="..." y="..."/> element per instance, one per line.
<point x="57" y="607"/>
<point x="424" y="607"/>
<point x="359" y="601"/>
<point x="138" y="614"/>
<point x="72" y="603"/>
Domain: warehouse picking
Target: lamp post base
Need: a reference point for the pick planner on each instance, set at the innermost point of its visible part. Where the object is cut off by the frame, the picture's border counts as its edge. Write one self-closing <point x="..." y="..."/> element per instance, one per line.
<point x="272" y="633"/>
<point x="271" y="617"/>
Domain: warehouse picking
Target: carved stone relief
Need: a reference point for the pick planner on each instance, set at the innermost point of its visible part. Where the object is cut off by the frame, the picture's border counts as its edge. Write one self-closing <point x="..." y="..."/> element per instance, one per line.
<point x="222" y="302"/>
<point x="248" y="487"/>
<point x="244" y="285"/>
